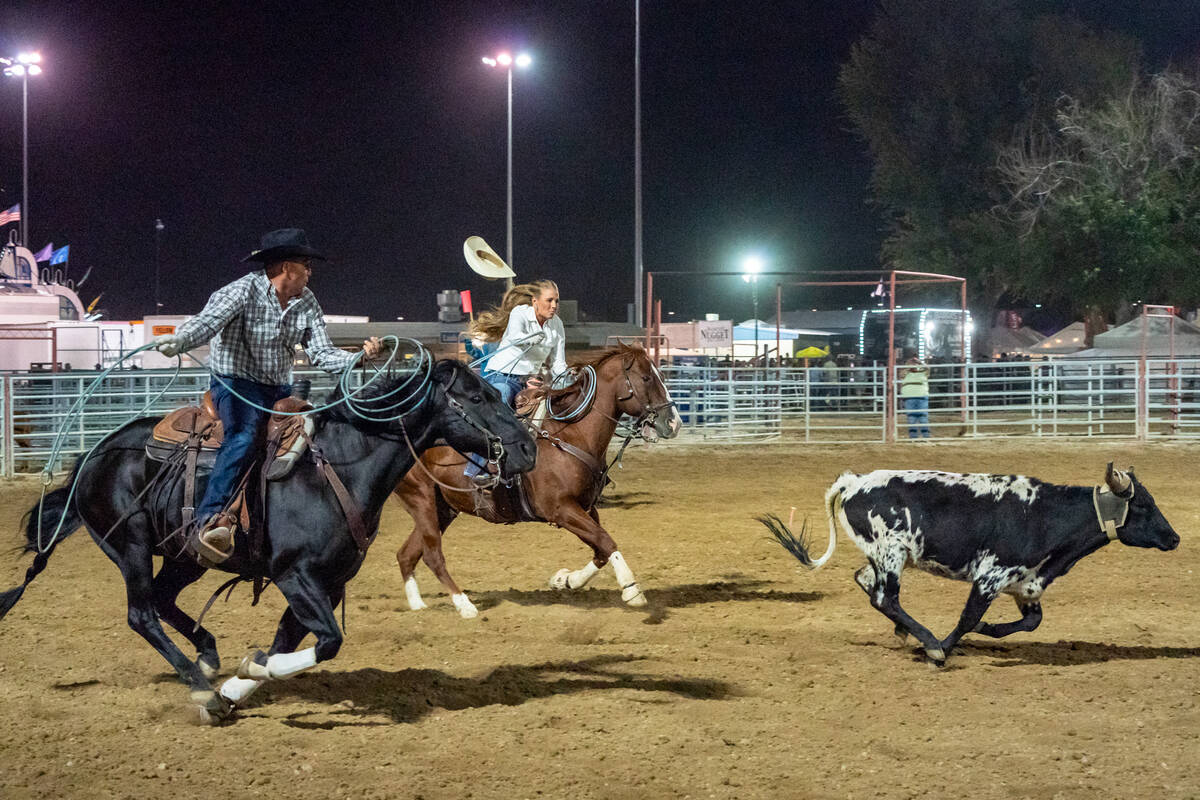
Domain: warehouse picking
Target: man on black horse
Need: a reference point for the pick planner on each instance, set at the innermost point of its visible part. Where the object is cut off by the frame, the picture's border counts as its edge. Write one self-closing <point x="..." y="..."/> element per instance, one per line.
<point x="254" y="324"/>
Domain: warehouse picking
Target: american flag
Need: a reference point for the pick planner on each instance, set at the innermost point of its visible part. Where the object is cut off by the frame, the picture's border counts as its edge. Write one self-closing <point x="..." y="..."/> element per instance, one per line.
<point x="11" y="215"/>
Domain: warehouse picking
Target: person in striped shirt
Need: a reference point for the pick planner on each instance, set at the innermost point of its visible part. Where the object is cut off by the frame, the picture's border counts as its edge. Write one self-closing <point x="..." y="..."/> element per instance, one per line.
<point x="254" y="325"/>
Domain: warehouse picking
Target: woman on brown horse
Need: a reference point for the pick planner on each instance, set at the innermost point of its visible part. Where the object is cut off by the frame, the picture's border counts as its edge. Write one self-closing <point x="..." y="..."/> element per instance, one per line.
<point x="530" y="337"/>
<point x="562" y="488"/>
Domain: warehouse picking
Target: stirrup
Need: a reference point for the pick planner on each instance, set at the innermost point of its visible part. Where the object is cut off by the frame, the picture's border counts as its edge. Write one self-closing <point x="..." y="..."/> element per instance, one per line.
<point x="484" y="480"/>
<point x="214" y="543"/>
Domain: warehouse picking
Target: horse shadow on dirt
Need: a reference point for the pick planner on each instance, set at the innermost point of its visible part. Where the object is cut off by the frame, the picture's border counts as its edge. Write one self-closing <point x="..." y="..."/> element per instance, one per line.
<point x="625" y="500"/>
<point x="357" y="697"/>
<point x="660" y="600"/>
<point x="1048" y="654"/>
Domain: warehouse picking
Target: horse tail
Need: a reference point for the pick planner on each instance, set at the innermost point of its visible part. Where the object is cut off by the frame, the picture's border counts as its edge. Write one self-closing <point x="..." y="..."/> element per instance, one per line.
<point x="51" y="512"/>
<point x="798" y="545"/>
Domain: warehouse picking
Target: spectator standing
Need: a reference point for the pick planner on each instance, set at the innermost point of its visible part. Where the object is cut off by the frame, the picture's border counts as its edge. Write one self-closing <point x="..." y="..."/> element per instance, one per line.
<point x="914" y="390"/>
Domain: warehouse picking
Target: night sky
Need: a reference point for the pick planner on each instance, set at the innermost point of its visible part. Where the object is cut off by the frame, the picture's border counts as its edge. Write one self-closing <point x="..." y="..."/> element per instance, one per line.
<point x="381" y="133"/>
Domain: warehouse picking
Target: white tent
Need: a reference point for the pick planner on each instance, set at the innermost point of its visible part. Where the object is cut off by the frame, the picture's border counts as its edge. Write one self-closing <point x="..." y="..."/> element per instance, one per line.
<point x="1068" y="340"/>
<point x="1126" y="341"/>
<point x="1012" y="340"/>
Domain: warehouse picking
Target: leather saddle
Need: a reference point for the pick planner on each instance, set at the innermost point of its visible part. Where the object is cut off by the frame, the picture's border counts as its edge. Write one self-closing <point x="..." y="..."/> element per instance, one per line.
<point x="505" y="503"/>
<point x="530" y="405"/>
<point x="199" y="427"/>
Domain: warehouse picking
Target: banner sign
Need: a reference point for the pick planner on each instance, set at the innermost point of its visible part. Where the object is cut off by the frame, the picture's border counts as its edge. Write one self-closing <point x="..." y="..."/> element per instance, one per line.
<point x="698" y="335"/>
<point x="718" y="333"/>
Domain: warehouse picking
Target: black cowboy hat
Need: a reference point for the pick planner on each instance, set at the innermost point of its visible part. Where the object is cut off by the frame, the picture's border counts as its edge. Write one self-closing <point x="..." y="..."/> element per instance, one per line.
<point x="281" y="245"/>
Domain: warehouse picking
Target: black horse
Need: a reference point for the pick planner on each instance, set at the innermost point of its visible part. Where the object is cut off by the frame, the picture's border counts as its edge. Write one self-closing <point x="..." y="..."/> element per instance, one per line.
<point x="310" y="551"/>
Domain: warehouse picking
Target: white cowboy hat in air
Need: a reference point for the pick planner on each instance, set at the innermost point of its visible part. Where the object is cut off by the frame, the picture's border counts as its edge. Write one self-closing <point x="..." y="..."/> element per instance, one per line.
<point x="484" y="260"/>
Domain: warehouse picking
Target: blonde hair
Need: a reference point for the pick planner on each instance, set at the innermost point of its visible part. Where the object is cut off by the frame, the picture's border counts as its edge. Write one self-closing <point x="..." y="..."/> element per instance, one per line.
<point x="490" y="325"/>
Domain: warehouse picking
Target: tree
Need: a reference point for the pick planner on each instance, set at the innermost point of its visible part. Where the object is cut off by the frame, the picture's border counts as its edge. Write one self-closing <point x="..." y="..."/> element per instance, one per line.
<point x="936" y="89"/>
<point x="1110" y="199"/>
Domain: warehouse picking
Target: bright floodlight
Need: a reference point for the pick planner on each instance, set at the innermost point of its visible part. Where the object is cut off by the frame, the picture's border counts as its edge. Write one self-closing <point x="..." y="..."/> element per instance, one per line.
<point x="491" y="62"/>
<point x="524" y="60"/>
<point x="16" y="69"/>
<point x="30" y="58"/>
<point x="34" y="69"/>
<point x="504" y="59"/>
<point x="751" y="265"/>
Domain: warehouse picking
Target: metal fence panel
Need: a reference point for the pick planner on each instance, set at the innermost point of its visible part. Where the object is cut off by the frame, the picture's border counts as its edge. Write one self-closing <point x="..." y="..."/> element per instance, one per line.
<point x="39" y="403"/>
<point x="1030" y="398"/>
<point x="721" y="405"/>
<point x="739" y="405"/>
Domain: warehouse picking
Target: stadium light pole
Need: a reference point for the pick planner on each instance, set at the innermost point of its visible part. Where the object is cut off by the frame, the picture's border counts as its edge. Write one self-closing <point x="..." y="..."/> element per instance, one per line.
<point x="506" y="61"/>
<point x="158" y="229"/>
<point x="752" y="265"/>
<point x="24" y="65"/>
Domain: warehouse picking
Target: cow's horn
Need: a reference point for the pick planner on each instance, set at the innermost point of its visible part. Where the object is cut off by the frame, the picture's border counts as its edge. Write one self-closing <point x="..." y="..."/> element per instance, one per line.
<point x="1117" y="481"/>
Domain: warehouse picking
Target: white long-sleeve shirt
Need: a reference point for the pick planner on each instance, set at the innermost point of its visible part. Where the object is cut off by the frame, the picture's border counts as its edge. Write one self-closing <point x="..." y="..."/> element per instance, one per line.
<point x="527" y="345"/>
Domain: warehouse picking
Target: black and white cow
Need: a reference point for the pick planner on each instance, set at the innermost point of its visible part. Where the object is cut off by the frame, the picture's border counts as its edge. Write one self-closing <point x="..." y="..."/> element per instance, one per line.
<point x="1005" y="534"/>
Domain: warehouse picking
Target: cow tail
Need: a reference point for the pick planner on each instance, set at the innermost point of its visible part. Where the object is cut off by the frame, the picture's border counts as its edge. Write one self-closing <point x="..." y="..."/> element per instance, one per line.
<point x="833" y="507"/>
<point x="798" y="544"/>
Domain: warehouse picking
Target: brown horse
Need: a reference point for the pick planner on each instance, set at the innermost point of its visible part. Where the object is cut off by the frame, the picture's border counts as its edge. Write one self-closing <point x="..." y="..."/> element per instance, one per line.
<point x="563" y="486"/>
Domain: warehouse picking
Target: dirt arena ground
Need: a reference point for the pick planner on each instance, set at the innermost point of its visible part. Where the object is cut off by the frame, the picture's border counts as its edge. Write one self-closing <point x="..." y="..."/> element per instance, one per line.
<point x="746" y="678"/>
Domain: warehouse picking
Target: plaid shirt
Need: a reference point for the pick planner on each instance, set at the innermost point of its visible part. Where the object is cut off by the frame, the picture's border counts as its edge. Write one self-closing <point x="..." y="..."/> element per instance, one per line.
<point x="253" y="338"/>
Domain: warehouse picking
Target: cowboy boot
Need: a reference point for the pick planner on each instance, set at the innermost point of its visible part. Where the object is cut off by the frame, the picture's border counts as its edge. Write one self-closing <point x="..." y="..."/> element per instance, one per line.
<point x="215" y="542"/>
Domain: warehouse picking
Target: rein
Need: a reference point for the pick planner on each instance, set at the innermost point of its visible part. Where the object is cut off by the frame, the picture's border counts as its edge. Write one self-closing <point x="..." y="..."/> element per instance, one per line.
<point x="495" y="444"/>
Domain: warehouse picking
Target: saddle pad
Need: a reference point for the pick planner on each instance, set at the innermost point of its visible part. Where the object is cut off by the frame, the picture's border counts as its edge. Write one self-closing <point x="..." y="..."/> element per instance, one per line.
<point x="176" y="427"/>
<point x="171" y="435"/>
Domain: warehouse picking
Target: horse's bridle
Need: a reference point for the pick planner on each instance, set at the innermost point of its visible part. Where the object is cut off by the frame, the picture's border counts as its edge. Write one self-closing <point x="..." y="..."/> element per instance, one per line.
<point x="649" y="413"/>
<point x="495" y="444"/>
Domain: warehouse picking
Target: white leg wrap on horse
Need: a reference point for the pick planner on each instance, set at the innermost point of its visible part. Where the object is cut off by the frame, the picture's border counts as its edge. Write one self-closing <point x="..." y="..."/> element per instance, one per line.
<point x="630" y="592"/>
<point x="579" y="578"/>
<point x="466" y="609"/>
<point x="235" y="690"/>
<point x="413" y="593"/>
<point x="285" y="665"/>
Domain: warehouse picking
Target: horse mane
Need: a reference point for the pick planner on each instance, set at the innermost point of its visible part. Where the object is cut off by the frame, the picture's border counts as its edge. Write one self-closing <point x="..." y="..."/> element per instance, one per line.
<point x="619" y="350"/>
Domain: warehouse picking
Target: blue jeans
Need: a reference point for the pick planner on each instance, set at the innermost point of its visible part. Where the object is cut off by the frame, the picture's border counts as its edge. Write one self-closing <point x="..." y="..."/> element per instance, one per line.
<point x="918" y="416"/>
<point x="245" y="429"/>
<point x="508" y="385"/>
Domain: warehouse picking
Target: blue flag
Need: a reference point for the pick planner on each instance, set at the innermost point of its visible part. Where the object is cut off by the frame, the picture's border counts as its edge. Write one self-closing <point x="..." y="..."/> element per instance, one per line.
<point x="44" y="254"/>
<point x="60" y="255"/>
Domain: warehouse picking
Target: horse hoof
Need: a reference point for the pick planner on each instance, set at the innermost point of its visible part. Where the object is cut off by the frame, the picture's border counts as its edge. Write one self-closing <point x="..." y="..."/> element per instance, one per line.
<point x="466" y="609"/>
<point x="213" y="708"/>
<point x="901" y="639"/>
<point x="561" y="580"/>
<point x="208" y="670"/>
<point x="633" y="596"/>
<point x="254" y="666"/>
<point x="936" y="657"/>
